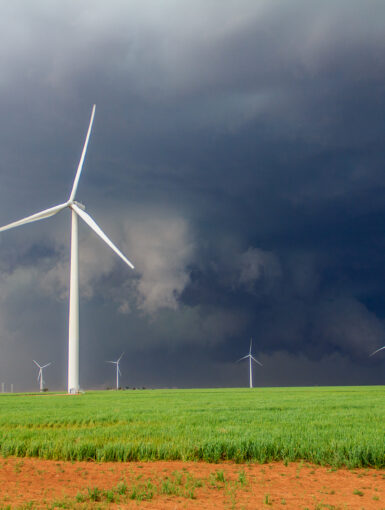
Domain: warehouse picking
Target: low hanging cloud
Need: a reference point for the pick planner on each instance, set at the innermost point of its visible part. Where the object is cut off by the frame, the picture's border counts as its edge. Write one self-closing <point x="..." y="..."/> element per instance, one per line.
<point x="256" y="264"/>
<point x="346" y="325"/>
<point x="163" y="249"/>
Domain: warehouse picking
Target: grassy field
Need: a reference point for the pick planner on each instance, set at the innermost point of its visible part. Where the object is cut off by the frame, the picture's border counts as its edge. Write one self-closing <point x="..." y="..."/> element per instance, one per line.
<point x="326" y="425"/>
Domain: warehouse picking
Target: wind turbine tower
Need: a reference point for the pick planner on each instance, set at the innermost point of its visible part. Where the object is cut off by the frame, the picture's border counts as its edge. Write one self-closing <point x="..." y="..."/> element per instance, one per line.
<point x="118" y="372"/>
<point x="77" y="209"/>
<point x="251" y="358"/>
<point x="40" y="375"/>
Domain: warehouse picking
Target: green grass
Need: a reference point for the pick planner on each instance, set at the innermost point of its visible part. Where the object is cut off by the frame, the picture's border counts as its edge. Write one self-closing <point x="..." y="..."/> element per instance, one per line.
<point x="335" y="425"/>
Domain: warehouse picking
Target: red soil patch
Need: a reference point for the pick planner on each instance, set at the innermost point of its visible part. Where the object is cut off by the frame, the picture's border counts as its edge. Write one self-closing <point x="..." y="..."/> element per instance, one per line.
<point x="185" y="485"/>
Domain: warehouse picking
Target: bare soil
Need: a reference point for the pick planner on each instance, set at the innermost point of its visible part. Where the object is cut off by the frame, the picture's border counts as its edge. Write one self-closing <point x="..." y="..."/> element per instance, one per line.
<point x="34" y="483"/>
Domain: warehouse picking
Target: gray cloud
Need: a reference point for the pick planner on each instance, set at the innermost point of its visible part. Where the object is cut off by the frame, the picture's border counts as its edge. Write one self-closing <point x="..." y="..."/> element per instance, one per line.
<point x="256" y="265"/>
<point x="163" y="249"/>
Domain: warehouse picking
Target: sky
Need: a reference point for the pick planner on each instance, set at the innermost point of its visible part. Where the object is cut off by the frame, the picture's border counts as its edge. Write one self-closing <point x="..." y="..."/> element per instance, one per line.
<point x="236" y="158"/>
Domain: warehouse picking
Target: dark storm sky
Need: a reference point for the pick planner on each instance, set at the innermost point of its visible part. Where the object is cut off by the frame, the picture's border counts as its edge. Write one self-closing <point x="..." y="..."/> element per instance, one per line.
<point x="237" y="158"/>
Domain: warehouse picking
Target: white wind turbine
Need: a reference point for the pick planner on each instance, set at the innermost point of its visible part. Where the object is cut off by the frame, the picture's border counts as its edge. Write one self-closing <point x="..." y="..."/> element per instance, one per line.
<point x="251" y="358"/>
<point x="77" y="209"/>
<point x="118" y="372"/>
<point x="40" y="375"/>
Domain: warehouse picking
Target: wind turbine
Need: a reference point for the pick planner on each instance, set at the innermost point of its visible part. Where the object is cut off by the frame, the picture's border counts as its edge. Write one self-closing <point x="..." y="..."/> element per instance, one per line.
<point x="378" y="350"/>
<point x="251" y="358"/>
<point x="40" y="375"/>
<point x="77" y="209"/>
<point x="118" y="372"/>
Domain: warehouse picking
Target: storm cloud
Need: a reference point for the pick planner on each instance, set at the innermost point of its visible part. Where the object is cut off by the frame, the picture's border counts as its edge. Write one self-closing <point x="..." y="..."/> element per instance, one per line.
<point x="237" y="159"/>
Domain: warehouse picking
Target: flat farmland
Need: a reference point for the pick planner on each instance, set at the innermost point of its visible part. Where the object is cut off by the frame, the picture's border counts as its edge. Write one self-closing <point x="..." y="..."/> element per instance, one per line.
<point x="334" y="426"/>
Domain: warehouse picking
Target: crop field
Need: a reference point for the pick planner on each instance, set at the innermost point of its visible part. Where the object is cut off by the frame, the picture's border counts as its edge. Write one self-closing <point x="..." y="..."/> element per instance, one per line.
<point x="336" y="426"/>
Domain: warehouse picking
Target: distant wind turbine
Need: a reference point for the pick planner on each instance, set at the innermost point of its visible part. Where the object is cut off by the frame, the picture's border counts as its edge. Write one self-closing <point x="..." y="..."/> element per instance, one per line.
<point x="118" y="372"/>
<point x="77" y="209"/>
<point x="378" y="350"/>
<point x="251" y="358"/>
<point x="40" y="375"/>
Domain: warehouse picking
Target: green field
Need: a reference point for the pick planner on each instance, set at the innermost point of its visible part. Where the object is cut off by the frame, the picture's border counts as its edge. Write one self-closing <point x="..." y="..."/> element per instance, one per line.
<point x="326" y="425"/>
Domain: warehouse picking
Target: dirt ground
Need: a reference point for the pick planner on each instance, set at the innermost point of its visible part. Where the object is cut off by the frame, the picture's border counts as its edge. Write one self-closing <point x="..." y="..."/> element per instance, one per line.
<point x="34" y="483"/>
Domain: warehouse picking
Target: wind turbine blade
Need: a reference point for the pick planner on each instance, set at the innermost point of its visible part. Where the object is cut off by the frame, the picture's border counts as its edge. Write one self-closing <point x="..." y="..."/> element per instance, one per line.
<point x="91" y="223"/>
<point x="36" y="363"/>
<point x="378" y="350"/>
<point x="244" y="357"/>
<point x="47" y="365"/>
<point x="121" y="356"/>
<point x="110" y="361"/>
<point x="256" y="361"/>
<point x="251" y="343"/>
<point x="35" y="217"/>
<point x="120" y="373"/>
<point x="80" y="166"/>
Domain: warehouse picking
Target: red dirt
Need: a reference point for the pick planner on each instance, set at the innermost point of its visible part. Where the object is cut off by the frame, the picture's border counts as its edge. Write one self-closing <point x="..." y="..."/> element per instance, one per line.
<point x="41" y="484"/>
